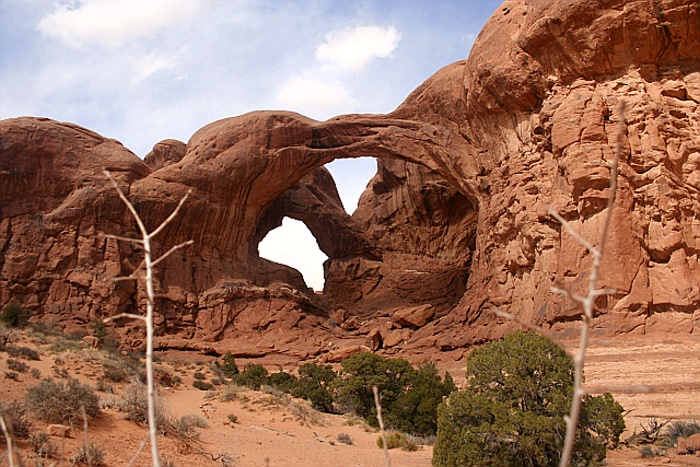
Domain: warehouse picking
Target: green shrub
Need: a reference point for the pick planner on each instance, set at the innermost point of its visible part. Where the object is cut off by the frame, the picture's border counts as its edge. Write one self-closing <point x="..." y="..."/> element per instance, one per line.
<point x="204" y="386"/>
<point x="15" y="416"/>
<point x="409" y="397"/>
<point x="228" y="365"/>
<point x="198" y="375"/>
<point x="364" y="370"/>
<point x="415" y="410"/>
<point x="313" y="385"/>
<point x="345" y="439"/>
<point x="58" y="402"/>
<point x="512" y="412"/>
<point x="283" y="381"/>
<point x="253" y="376"/>
<point x="15" y="315"/>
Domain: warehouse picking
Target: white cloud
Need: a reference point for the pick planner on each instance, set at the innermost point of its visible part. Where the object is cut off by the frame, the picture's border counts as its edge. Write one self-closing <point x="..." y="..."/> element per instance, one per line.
<point x="352" y="49"/>
<point x="111" y="23"/>
<point x="316" y="98"/>
<point x="147" y="65"/>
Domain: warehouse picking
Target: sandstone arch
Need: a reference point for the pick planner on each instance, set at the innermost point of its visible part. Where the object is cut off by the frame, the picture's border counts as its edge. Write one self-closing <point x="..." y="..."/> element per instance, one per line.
<point x="525" y="123"/>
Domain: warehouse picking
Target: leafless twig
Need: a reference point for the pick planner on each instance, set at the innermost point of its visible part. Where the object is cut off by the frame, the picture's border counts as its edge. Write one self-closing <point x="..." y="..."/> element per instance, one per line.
<point x="148" y="263"/>
<point x="138" y="451"/>
<point x="8" y="441"/>
<point x="515" y="319"/>
<point x="88" y="452"/>
<point x="378" y="406"/>
<point x="587" y="302"/>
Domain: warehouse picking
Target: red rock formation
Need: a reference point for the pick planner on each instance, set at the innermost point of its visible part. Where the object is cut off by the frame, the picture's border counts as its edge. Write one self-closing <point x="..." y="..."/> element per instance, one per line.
<point x="454" y="223"/>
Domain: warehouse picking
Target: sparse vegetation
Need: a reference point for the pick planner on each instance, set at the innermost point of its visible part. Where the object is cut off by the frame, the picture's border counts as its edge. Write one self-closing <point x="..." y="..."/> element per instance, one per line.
<point x="345" y="439"/>
<point x="230" y="392"/>
<point x="202" y="385"/>
<point x="648" y="451"/>
<point x="23" y="352"/>
<point x="90" y="454"/>
<point x="396" y="439"/>
<point x="134" y="403"/>
<point x="188" y="425"/>
<point x="680" y="429"/>
<point x="42" y="445"/>
<point x="17" y="365"/>
<point x="233" y="418"/>
<point x="15" y="416"/>
<point x="114" y="373"/>
<point x="60" y="402"/>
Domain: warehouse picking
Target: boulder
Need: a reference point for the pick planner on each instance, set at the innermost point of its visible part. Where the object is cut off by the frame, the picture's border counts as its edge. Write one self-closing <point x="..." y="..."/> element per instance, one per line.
<point x="689" y="445"/>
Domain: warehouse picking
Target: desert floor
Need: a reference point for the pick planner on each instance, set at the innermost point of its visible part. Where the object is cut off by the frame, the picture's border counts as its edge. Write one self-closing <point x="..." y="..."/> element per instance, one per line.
<point x="653" y="379"/>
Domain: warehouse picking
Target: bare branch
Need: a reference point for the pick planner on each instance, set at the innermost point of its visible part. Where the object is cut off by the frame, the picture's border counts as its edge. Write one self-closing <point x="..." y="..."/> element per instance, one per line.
<point x="170" y="251"/>
<point x="122" y="239"/>
<point x="125" y="278"/>
<point x="378" y="406"/>
<point x="124" y="315"/>
<point x="148" y="264"/>
<point x="588" y="303"/>
<point x="138" y="451"/>
<point x="515" y="319"/>
<point x="129" y="206"/>
<point x="571" y="231"/>
<point x="624" y="389"/>
<point x="599" y="292"/>
<point x="8" y="441"/>
<point x="88" y="453"/>
<point x="171" y="216"/>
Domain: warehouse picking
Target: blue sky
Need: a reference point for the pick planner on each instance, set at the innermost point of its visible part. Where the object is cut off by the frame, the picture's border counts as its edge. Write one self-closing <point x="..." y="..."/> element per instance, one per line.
<point x="141" y="71"/>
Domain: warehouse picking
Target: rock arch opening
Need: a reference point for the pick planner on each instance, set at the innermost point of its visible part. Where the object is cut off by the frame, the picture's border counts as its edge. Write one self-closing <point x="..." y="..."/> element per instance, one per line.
<point x="351" y="179"/>
<point x="408" y="243"/>
<point x="292" y="244"/>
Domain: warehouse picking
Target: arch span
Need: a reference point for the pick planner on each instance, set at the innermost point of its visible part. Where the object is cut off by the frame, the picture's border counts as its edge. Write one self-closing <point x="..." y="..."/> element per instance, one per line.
<point x="242" y="169"/>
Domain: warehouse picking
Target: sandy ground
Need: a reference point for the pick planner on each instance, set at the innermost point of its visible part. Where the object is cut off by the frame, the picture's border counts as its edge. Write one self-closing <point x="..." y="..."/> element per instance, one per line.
<point x="657" y="378"/>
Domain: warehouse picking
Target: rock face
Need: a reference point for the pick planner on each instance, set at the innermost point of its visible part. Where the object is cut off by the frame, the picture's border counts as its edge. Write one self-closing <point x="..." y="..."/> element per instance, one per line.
<point x="454" y="223"/>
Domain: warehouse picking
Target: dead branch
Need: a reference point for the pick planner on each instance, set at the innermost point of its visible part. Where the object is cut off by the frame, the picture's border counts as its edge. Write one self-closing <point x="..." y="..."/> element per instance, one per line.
<point x="378" y="406"/>
<point x="8" y="441"/>
<point x="148" y="263"/>
<point x="588" y="302"/>
<point x="323" y="440"/>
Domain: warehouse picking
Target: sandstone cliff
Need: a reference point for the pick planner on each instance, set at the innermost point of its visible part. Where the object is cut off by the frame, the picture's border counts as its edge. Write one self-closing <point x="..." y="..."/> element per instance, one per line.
<point x="454" y="223"/>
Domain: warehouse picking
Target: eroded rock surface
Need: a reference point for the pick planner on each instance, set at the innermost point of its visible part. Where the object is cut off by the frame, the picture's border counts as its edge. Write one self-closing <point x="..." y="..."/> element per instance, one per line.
<point x="454" y="223"/>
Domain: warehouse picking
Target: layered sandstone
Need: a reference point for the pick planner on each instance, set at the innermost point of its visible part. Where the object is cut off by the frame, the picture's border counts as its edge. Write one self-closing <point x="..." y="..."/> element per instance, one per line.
<point x="454" y="224"/>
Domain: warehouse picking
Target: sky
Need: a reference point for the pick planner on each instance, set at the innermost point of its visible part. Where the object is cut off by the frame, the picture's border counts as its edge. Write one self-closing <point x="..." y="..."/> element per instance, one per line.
<point x="141" y="71"/>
